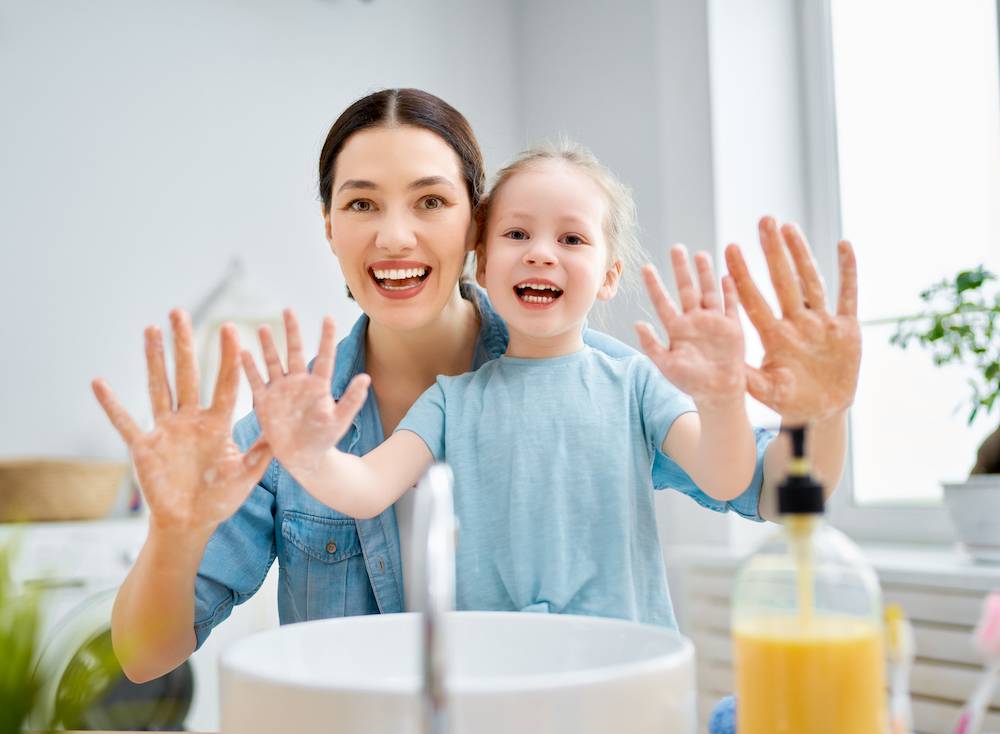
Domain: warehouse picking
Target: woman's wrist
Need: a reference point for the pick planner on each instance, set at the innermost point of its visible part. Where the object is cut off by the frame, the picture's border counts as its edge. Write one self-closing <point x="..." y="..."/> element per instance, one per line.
<point x="175" y="549"/>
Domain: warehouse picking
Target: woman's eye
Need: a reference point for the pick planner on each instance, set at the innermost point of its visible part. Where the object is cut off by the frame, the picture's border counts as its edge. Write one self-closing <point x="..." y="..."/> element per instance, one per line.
<point x="432" y="202"/>
<point x="517" y="234"/>
<point x="361" y="205"/>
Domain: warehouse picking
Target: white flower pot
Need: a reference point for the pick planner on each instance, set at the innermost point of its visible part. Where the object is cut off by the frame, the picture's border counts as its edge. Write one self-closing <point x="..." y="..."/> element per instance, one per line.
<point x="974" y="506"/>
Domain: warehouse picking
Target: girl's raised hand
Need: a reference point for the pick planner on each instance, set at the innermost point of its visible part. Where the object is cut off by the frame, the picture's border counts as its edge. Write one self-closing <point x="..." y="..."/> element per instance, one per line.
<point x="704" y="357"/>
<point x="296" y="410"/>
<point x="192" y="473"/>
<point x="811" y="356"/>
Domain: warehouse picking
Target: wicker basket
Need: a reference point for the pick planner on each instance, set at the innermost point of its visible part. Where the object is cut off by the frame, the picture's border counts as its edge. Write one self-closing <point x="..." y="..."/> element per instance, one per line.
<point x="35" y="490"/>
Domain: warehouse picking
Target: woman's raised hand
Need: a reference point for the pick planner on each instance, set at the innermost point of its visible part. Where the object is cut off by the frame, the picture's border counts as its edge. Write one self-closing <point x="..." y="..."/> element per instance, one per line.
<point x="704" y="357"/>
<point x="192" y="474"/>
<point x="297" y="413"/>
<point x="811" y="356"/>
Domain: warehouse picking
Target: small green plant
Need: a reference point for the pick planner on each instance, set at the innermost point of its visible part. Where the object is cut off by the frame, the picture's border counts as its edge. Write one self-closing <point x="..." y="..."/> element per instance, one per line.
<point x="959" y="325"/>
<point x="91" y="673"/>
<point x="19" y="624"/>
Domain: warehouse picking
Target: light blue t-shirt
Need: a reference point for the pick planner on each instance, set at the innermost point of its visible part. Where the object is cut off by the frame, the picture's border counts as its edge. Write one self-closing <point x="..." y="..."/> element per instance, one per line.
<point x="553" y="489"/>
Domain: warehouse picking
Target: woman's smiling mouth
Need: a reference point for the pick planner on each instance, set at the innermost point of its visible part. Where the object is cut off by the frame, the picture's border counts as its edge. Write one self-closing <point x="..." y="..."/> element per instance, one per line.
<point x="537" y="292"/>
<point x="397" y="279"/>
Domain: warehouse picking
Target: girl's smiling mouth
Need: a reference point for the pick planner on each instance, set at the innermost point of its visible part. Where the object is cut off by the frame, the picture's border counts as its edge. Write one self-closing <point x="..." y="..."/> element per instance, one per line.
<point x="541" y="293"/>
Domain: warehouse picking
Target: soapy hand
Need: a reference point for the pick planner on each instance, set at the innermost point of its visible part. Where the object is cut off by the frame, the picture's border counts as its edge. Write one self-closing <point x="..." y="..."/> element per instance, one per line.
<point x="811" y="357"/>
<point x="192" y="473"/>
<point x="704" y="357"/>
<point x="297" y="413"/>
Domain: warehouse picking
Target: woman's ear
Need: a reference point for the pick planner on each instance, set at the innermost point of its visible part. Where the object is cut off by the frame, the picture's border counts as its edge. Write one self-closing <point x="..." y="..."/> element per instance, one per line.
<point x="477" y="230"/>
<point x="481" y="265"/>
<point x="328" y="230"/>
<point x="611" y="279"/>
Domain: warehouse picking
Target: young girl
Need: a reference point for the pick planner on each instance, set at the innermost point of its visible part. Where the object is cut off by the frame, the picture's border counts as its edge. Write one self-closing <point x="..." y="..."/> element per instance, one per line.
<point x="552" y="444"/>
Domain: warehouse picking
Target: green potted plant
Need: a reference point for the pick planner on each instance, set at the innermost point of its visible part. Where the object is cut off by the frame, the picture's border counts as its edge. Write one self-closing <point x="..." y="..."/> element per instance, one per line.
<point x="959" y="325"/>
<point x="19" y="620"/>
<point x="22" y="683"/>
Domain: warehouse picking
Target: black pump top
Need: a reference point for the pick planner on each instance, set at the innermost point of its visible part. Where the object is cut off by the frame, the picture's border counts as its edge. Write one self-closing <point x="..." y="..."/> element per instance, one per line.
<point x="799" y="494"/>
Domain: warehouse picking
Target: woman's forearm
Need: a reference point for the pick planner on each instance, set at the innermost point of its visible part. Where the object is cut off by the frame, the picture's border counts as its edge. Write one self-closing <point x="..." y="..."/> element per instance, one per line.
<point x="152" y="623"/>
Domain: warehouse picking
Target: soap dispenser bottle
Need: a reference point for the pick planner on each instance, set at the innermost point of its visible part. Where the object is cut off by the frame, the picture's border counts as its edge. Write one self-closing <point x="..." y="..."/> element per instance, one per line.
<point x="807" y="624"/>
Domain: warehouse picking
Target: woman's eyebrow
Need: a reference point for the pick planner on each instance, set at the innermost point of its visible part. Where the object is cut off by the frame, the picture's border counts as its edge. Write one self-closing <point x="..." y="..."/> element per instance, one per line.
<point x="421" y="183"/>
<point x="354" y="183"/>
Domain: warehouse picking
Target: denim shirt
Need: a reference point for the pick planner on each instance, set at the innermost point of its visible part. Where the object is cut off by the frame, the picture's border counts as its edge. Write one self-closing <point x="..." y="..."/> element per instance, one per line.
<point x="331" y="565"/>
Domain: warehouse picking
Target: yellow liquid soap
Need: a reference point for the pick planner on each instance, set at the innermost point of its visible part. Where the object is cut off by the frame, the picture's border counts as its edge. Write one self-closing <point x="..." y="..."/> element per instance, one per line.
<point x="809" y="674"/>
<point x="825" y="678"/>
<point x="800" y="528"/>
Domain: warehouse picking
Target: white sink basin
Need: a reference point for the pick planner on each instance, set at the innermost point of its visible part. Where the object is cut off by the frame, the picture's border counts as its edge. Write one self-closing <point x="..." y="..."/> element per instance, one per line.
<point x="509" y="673"/>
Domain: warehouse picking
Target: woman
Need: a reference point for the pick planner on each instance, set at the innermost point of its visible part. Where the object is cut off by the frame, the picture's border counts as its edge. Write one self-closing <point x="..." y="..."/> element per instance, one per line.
<point x="400" y="176"/>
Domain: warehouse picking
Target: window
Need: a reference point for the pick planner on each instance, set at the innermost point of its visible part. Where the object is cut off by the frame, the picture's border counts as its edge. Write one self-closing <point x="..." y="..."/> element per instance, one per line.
<point x="918" y="134"/>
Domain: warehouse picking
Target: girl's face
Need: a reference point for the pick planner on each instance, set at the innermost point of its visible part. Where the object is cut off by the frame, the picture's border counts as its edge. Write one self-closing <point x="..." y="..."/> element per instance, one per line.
<point x="400" y="223"/>
<point x="547" y="258"/>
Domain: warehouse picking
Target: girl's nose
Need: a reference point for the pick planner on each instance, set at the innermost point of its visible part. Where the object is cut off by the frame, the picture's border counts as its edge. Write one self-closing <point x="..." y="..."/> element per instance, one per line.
<point x="396" y="233"/>
<point x="540" y="253"/>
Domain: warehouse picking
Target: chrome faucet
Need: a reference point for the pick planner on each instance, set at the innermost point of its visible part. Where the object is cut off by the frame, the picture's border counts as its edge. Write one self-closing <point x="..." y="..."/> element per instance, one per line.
<point x="434" y="576"/>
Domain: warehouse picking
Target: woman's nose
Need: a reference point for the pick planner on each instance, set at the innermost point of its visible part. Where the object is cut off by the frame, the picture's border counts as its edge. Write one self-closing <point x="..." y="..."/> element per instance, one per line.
<point x="396" y="233"/>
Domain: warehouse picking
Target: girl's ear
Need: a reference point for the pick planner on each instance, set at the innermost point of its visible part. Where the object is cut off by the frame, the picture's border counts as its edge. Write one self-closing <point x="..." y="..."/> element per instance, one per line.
<point x="610" y="285"/>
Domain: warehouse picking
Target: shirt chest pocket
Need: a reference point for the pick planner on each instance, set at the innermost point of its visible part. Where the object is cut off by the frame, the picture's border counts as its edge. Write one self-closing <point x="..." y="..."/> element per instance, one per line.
<point x="322" y="539"/>
<point x="324" y="568"/>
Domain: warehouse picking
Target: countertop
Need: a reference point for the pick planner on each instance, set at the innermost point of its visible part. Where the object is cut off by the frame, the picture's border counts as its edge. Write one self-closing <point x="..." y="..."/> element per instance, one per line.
<point x="947" y="566"/>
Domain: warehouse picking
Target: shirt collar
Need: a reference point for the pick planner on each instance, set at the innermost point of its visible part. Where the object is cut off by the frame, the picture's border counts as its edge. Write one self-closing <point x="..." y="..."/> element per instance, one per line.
<point x="490" y="344"/>
<point x="350" y="357"/>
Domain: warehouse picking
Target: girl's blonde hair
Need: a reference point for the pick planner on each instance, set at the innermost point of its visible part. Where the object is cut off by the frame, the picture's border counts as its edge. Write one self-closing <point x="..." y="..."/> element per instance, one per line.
<point x="621" y="228"/>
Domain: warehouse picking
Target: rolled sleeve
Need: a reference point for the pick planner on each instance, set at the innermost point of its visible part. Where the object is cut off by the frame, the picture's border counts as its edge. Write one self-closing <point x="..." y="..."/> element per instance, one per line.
<point x="666" y="474"/>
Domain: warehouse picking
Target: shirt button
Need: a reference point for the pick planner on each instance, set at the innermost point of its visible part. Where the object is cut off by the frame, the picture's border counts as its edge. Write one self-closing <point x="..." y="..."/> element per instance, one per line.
<point x="331" y="547"/>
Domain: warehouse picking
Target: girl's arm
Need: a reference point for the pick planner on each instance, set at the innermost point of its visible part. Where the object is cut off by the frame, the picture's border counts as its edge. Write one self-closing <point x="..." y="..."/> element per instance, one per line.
<point x="812" y="357"/>
<point x="704" y="358"/>
<point x="303" y="424"/>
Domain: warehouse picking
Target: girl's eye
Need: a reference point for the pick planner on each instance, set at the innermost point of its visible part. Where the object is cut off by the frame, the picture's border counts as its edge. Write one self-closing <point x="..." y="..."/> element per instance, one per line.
<point x="517" y="234"/>
<point x="432" y="202"/>
<point x="572" y="239"/>
<point x="361" y="205"/>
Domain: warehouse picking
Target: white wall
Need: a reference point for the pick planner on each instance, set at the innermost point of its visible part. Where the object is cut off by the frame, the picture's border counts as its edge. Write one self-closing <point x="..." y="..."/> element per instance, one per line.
<point x="144" y="145"/>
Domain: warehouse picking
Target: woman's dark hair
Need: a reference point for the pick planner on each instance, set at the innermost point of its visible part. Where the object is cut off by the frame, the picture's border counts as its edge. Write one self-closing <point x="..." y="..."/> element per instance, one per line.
<point x="392" y="107"/>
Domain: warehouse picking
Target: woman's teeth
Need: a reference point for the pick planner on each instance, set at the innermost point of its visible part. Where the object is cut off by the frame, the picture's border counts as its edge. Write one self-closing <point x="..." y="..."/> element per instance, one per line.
<point x="537" y="292"/>
<point x="399" y="278"/>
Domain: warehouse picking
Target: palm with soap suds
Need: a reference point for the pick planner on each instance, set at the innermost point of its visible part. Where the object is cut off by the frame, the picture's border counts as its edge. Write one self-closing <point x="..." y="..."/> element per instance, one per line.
<point x="704" y="353"/>
<point x="193" y="475"/>
<point x="812" y="357"/>
<point x="296" y="411"/>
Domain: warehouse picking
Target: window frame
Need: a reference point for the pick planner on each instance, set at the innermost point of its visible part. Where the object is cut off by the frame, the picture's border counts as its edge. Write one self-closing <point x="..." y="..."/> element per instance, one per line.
<point x="883" y="522"/>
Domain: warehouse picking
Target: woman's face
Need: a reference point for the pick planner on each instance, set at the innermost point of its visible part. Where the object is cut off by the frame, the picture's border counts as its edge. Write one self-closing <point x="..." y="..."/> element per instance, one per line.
<point x="400" y="222"/>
